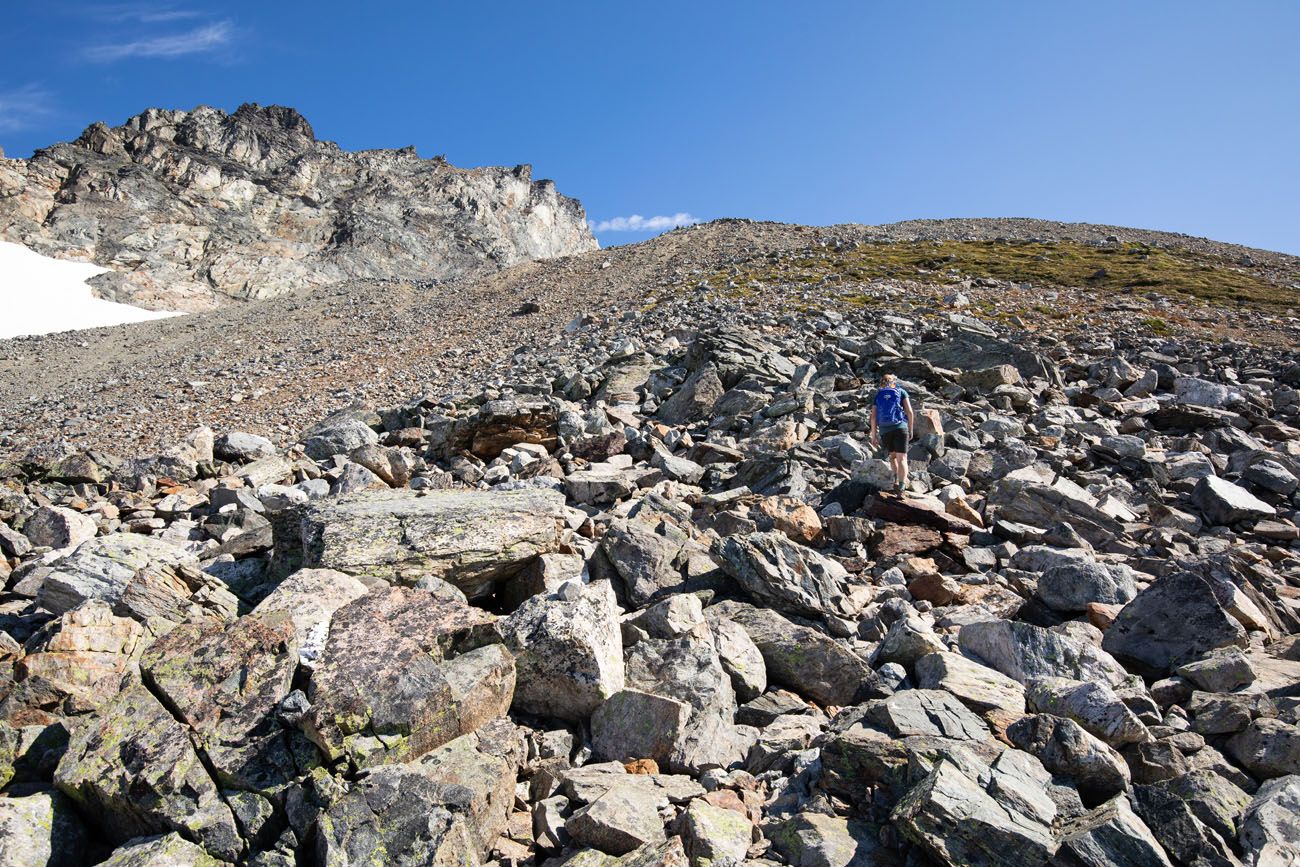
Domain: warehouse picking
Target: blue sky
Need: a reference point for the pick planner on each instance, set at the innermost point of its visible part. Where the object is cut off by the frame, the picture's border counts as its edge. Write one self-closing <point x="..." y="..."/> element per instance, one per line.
<point x="1173" y="115"/>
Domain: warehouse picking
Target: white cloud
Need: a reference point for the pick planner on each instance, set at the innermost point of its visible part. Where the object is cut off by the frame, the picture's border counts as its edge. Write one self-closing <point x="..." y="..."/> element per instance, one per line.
<point x="209" y="37"/>
<point x="638" y="223"/>
<point x="148" y="13"/>
<point x="23" y="106"/>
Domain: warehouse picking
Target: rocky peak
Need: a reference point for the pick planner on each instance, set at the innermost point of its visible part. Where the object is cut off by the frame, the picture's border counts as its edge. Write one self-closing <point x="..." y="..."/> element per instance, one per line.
<point x="194" y="208"/>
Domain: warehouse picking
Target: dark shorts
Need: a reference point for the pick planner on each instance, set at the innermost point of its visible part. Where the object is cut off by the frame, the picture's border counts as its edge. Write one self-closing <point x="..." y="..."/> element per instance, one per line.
<point x="894" y="439"/>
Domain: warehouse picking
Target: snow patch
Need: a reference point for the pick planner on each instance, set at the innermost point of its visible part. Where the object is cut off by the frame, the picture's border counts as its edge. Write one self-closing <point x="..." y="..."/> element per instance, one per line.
<point x="41" y="295"/>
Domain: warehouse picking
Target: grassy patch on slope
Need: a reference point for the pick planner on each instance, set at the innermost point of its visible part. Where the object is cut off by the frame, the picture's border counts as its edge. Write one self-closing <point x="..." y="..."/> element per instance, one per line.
<point x="1117" y="268"/>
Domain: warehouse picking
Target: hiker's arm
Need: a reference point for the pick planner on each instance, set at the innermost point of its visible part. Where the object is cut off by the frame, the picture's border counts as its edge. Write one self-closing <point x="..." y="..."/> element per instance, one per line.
<point x="911" y="419"/>
<point x="873" y="425"/>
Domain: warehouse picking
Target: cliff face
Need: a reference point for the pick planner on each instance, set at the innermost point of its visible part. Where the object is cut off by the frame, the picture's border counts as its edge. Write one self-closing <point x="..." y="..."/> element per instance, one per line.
<point x="192" y="209"/>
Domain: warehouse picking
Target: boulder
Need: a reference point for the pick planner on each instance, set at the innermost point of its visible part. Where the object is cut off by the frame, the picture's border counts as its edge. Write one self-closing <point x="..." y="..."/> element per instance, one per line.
<point x="473" y="539"/>
<point x="782" y="574"/>
<point x="41" y="829"/>
<point x="1268" y="748"/>
<point x="804" y="660"/>
<point x="76" y="663"/>
<point x="132" y="769"/>
<point x="225" y="684"/>
<point x="483" y="765"/>
<point x="404" y="812"/>
<point x="1175" y="823"/>
<point x="977" y="686"/>
<point x="1222" y="502"/>
<point x="1070" y="587"/>
<point x="568" y="651"/>
<point x="810" y="839"/>
<point x="618" y="822"/>
<point x="1221" y="671"/>
<point x="695" y="399"/>
<point x="338" y="435"/>
<point x="1175" y="620"/>
<point x="404" y="671"/>
<point x="105" y="568"/>
<point x="645" y="552"/>
<point x="638" y="725"/>
<point x="1112" y="835"/>
<point x="714" y="835"/>
<point x="1269" y="830"/>
<point x="959" y="817"/>
<point x="499" y="424"/>
<point x="242" y="448"/>
<point x="1043" y="506"/>
<point x="310" y="597"/>
<point x="1022" y="651"/>
<point x="1064" y="747"/>
<point x="168" y="850"/>
<point x="1092" y="705"/>
<point x="929" y="712"/>
<point x="57" y="527"/>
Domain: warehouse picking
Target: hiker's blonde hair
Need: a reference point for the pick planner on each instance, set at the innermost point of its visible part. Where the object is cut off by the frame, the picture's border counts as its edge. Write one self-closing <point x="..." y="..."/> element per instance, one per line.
<point x="888" y="380"/>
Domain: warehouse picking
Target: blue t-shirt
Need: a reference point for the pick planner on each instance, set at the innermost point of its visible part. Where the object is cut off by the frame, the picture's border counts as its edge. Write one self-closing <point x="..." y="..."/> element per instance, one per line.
<point x="889" y="407"/>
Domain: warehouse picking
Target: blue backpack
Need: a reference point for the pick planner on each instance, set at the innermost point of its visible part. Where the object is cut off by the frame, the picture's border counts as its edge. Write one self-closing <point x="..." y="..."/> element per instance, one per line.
<point x="889" y="407"/>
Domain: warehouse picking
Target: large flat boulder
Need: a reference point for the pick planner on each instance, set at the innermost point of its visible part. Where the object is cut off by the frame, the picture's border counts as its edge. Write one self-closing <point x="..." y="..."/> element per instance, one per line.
<point x="472" y="539"/>
<point x="405" y="671"/>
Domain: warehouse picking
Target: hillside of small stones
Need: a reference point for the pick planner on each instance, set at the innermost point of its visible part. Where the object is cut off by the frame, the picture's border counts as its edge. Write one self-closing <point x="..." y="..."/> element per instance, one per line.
<point x="628" y="587"/>
<point x="195" y="209"/>
<point x="276" y="366"/>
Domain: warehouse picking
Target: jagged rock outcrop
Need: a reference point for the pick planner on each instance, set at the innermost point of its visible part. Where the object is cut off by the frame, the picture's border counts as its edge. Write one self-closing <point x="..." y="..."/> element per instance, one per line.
<point x="191" y="209"/>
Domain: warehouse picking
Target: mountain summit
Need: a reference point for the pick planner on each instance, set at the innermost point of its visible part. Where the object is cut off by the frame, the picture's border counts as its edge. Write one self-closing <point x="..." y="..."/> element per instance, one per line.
<point x="192" y="209"/>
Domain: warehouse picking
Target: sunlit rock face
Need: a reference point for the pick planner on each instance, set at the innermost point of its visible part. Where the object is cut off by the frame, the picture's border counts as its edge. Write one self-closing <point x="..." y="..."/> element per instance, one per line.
<point x="190" y="209"/>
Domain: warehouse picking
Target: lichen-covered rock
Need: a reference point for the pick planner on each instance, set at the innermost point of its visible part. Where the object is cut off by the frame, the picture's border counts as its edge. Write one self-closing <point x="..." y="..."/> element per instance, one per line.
<point x="107" y="567"/>
<point x="404" y="671"/>
<point x="804" y="660"/>
<point x="76" y="663"/>
<point x="1268" y="748"/>
<point x="168" y="850"/>
<point x="714" y="835"/>
<point x="1269" y="830"/>
<point x="402" y="814"/>
<point x="133" y="770"/>
<point x="225" y="684"/>
<point x="310" y="597"/>
<point x="1110" y="836"/>
<point x="638" y="725"/>
<point x="618" y="822"/>
<point x="41" y="829"/>
<point x="977" y="686"/>
<point x="1064" y="747"/>
<point x="957" y="821"/>
<point x="472" y="539"/>
<point x="1092" y="705"/>
<point x="568" y="651"/>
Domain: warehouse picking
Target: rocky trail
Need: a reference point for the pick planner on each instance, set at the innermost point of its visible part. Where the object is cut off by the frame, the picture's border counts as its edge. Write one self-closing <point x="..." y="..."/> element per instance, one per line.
<point x="623" y="584"/>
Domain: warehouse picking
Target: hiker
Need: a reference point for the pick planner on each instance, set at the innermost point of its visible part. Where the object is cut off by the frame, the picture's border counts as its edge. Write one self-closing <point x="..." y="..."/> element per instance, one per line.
<point x="893" y="424"/>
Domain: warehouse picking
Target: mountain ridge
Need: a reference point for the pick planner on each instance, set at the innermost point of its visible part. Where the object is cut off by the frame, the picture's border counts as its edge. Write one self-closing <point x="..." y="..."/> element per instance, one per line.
<point x="195" y="209"/>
